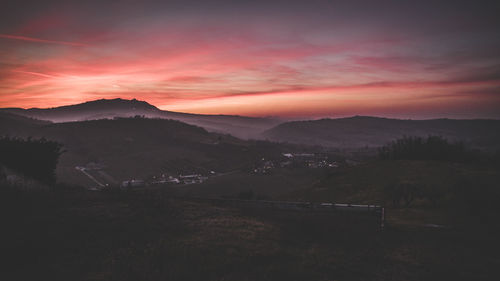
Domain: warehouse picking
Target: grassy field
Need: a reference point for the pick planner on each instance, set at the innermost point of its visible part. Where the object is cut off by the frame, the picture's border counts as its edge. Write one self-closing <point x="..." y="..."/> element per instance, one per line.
<point x="80" y="235"/>
<point x="443" y="192"/>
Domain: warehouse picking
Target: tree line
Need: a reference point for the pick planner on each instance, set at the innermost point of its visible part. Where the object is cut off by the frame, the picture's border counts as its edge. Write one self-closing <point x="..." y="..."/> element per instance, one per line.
<point x="431" y="148"/>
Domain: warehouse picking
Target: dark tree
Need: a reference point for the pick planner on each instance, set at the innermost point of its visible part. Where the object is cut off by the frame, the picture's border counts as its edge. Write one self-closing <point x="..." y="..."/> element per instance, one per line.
<point x="431" y="148"/>
<point x="35" y="158"/>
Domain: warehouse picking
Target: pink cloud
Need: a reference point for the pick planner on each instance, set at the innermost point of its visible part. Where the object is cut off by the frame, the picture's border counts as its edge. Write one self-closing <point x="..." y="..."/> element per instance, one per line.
<point x="222" y="68"/>
<point x="38" y="40"/>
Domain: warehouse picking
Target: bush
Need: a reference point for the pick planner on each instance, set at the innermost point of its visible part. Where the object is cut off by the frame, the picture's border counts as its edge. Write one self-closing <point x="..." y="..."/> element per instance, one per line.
<point x="404" y="193"/>
<point x="34" y="158"/>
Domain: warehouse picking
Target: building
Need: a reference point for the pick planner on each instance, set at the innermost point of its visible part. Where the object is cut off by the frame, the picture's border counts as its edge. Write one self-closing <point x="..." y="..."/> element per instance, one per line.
<point x="133" y="183"/>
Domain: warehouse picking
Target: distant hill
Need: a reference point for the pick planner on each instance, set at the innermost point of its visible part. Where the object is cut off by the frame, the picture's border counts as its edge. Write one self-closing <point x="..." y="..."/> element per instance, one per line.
<point x="361" y="131"/>
<point x="242" y="127"/>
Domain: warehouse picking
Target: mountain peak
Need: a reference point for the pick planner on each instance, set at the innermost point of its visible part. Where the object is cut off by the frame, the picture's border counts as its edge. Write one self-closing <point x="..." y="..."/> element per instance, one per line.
<point x="117" y="103"/>
<point x="239" y="126"/>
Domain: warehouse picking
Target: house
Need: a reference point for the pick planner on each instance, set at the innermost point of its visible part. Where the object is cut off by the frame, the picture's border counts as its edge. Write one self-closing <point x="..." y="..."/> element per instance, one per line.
<point x="169" y="180"/>
<point x="133" y="183"/>
<point x="191" y="179"/>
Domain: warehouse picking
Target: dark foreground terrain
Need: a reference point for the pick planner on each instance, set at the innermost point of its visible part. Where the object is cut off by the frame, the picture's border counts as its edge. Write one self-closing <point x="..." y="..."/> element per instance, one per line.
<point x="72" y="234"/>
<point x="440" y="198"/>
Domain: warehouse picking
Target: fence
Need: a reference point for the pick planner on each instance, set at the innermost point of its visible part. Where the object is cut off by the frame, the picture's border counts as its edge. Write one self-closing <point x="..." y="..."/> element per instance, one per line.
<point x="375" y="210"/>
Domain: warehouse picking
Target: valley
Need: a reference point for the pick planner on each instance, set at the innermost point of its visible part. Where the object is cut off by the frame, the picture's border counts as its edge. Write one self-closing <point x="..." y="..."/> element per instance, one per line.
<point x="143" y="197"/>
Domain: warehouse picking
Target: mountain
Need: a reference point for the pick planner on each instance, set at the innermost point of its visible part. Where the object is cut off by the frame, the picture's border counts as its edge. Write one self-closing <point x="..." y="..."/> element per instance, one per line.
<point x="242" y="127"/>
<point x="344" y="133"/>
<point x="362" y="131"/>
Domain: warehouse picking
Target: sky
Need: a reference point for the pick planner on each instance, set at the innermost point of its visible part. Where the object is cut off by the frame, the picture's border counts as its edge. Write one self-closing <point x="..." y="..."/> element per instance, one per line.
<point x="290" y="59"/>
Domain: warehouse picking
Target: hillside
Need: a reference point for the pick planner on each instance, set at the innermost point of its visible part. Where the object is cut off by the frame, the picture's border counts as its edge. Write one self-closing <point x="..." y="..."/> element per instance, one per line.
<point x="71" y="234"/>
<point x="65" y="232"/>
<point x="243" y="127"/>
<point x="128" y="148"/>
<point x="13" y="124"/>
<point x="363" y="131"/>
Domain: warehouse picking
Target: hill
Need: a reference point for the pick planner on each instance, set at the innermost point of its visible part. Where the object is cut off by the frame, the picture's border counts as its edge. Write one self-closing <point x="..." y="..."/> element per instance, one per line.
<point x="243" y="127"/>
<point x="13" y="124"/>
<point x="361" y="131"/>
<point x="139" y="148"/>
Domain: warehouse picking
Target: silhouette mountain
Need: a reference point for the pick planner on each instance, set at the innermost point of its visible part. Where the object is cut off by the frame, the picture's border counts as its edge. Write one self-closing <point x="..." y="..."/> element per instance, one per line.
<point x="361" y="131"/>
<point x="352" y="132"/>
<point x="243" y="127"/>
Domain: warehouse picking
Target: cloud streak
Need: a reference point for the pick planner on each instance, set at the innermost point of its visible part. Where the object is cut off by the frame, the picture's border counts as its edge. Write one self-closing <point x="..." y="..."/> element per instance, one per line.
<point x="262" y="59"/>
<point x="38" y="40"/>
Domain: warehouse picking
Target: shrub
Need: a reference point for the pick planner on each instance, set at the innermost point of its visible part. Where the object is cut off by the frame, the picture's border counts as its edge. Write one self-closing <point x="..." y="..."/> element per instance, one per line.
<point x="35" y="158"/>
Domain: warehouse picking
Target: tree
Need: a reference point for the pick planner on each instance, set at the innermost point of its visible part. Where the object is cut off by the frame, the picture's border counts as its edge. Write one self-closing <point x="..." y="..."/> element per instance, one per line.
<point x="431" y="148"/>
<point x="35" y="158"/>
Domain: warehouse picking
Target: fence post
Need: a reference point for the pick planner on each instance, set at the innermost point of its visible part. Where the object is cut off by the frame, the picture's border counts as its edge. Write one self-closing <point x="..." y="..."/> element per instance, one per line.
<point x="382" y="218"/>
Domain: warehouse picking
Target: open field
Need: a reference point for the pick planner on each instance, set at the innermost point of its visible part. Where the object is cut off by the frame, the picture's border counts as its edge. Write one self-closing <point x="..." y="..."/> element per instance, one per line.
<point x="82" y="235"/>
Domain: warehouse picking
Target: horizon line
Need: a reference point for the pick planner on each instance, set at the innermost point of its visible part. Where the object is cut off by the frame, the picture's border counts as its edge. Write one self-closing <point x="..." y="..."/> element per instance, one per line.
<point x="291" y="118"/>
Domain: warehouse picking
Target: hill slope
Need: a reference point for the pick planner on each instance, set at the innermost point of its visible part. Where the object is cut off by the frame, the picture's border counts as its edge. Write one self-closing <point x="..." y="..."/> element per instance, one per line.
<point x="129" y="148"/>
<point x="243" y="127"/>
<point x="17" y="125"/>
<point x="363" y="131"/>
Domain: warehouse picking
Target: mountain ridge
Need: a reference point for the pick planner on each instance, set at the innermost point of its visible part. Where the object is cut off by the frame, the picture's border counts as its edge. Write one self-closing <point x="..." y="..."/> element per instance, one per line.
<point x="362" y="131"/>
<point x="347" y="132"/>
<point x="239" y="126"/>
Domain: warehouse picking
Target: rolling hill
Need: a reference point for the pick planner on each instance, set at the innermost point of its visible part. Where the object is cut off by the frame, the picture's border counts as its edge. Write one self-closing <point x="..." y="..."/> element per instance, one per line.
<point x="17" y="125"/>
<point x="242" y="127"/>
<point x="361" y="131"/>
<point x="128" y="148"/>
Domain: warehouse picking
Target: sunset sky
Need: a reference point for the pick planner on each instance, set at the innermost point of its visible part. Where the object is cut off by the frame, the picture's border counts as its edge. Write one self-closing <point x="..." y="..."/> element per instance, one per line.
<point x="293" y="59"/>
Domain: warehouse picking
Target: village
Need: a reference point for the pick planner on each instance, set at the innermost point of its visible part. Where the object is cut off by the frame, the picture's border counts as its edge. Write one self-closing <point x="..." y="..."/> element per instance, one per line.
<point x="100" y="179"/>
<point x="296" y="160"/>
